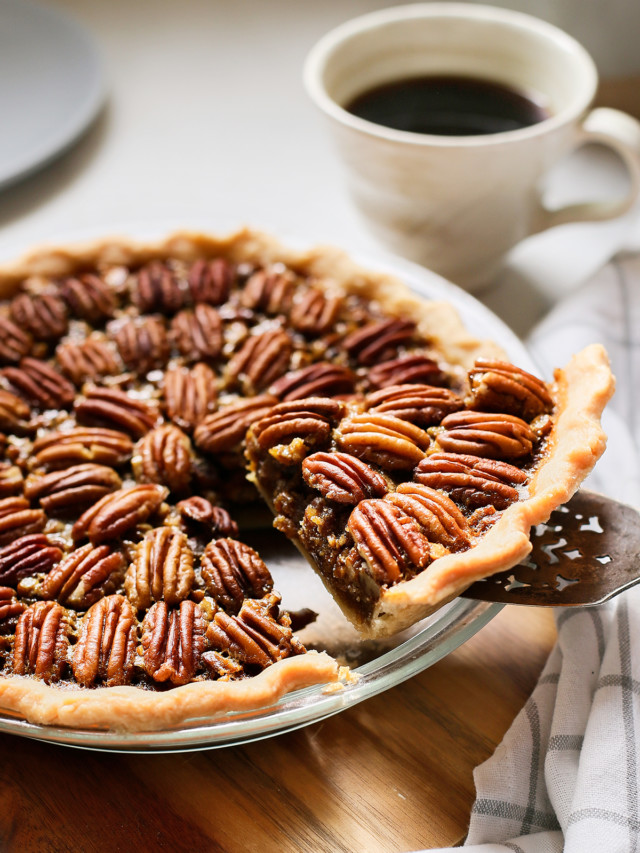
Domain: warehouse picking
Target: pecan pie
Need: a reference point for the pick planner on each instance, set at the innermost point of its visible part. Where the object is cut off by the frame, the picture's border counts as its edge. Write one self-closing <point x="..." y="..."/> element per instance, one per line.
<point x="147" y="392"/>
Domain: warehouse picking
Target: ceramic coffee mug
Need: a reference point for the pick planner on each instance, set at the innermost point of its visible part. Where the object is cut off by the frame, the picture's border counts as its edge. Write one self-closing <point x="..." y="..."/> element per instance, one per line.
<point x="457" y="204"/>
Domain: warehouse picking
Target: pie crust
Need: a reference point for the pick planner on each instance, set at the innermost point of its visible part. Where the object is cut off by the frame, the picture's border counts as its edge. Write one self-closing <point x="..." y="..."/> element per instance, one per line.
<point x="574" y="444"/>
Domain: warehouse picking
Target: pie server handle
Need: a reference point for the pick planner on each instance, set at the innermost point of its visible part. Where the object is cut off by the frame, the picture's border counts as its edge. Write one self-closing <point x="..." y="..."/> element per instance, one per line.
<point x="586" y="553"/>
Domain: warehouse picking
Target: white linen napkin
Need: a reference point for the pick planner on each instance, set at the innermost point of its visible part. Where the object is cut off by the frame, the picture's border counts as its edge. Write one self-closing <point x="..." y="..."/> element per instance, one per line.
<point x="567" y="775"/>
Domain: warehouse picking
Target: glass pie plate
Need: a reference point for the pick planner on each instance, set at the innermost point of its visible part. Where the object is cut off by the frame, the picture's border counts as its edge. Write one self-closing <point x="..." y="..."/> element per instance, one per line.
<point x="378" y="664"/>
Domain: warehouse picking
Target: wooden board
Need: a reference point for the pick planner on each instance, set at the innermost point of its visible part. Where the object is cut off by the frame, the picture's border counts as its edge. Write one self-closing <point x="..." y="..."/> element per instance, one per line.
<point x="392" y="774"/>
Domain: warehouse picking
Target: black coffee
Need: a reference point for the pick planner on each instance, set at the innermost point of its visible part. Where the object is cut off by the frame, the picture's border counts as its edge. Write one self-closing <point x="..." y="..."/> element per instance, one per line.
<point x="447" y="106"/>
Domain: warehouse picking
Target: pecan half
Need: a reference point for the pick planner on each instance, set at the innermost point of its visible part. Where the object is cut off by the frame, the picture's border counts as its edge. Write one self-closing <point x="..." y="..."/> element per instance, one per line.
<point x="472" y="481"/>
<point x="383" y="440"/>
<point x="309" y="420"/>
<point x="44" y="316"/>
<point x="232" y="571"/>
<point x="190" y="395"/>
<point x="198" y="511"/>
<point x="88" y="297"/>
<point x="118" y="513"/>
<point x="494" y="436"/>
<point x="10" y="606"/>
<point x="71" y="488"/>
<point x="11" y="480"/>
<point x="343" y="478"/>
<point x="270" y="291"/>
<point x="423" y="405"/>
<point x="159" y="289"/>
<point x="27" y="556"/>
<point x="142" y="343"/>
<point x="173" y="641"/>
<point x="211" y="280"/>
<point x="225" y="430"/>
<point x="40" y="383"/>
<point x="14" y="412"/>
<point x="260" y="361"/>
<point x="390" y="542"/>
<point x="316" y="380"/>
<point x="498" y="386"/>
<point x="379" y="340"/>
<point x="406" y="370"/>
<point x="18" y="519"/>
<point x="436" y="514"/>
<point x="111" y="407"/>
<point x="315" y="312"/>
<point x="14" y="342"/>
<point x="162" y="568"/>
<point x="106" y="649"/>
<point x="82" y="444"/>
<point x="164" y="456"/>
<point x="197" y="333"/>
<point x="91" y="359"/>
<point x="257" y="636"/>
<point x="84" y="576"/>
<point x="41" y="641"/>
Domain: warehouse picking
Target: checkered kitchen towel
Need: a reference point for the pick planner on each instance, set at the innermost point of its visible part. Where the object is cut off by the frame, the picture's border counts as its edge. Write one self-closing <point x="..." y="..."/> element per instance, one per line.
<point x="567" y="775"/>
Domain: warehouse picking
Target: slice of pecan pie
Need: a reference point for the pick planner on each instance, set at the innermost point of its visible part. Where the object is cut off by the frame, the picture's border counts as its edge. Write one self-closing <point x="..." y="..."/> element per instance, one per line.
<point x="402" y="455"/>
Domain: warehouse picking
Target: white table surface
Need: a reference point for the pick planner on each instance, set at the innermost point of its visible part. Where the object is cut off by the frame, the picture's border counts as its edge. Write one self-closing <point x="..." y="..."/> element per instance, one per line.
<point x="207" y="123"/>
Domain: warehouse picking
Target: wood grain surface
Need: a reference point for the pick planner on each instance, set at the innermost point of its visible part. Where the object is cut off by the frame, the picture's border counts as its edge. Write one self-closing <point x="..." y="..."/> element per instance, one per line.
<point x="391" y="774"/>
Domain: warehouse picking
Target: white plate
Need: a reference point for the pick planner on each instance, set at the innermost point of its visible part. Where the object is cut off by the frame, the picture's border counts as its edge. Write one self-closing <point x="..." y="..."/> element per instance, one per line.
<point x="51" y="85"/>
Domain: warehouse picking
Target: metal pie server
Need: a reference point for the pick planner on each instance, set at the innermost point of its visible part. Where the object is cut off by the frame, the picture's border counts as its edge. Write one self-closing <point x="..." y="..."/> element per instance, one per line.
<point x="586" y="553"/>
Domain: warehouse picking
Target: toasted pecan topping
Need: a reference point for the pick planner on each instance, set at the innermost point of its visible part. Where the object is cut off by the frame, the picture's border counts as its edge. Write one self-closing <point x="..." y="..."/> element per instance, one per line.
<point x="197" y="333"/>
<point x="10" y="606"/>
<point x="18" y="519"/>
<point x="232" y="571"/>
<point x="379" y="340"/>
<point x="498" y="386"/>
<point x="173" y="641"/>
<point x="82" y="444"/>
<point x="159" y="289"/>
<point x="343" y="478"/>
<point x="211" y="280"/>
<point x="260" y="361"/>
<point x="71" y="488"/>
<point x="162" y="568"/>
<point x="199" y="511"/>
<point x="14" y="412"/>
<point x="257" y="636"/>
<point x="494" y="436"/>
<point x="316" y="380"/>
<point x="111" y="407"/>
<point x="315" y="312"/>
<point x="88" y="360"/>
<point x="41" y="641"/>
<point x="27" y="556"/>
<point x="106" y="649"/>
<point x="190" y="395"/>
<point x="11" y="480"/>
<point x="423" y="405"/>
<point x="88" y="297"/>
<point x="40" y="384"/>
<point x="225" y="430"/>
<point x="383" y="440"/>
<point x="270" y="291"/>
<point x="389" y="540"/>
<point x="471" y="480"/>
<point x="142" y="343"/>
<point x="44" y="316"/>
<point x="15" y="343"/>
<point x="438" y="516"/>
<point x="117" y="514"/>
<point x="406" y="370"/>
<point x="164" y="456"/>
<point x="84" y="576"/>
<point x="309" y="420"/>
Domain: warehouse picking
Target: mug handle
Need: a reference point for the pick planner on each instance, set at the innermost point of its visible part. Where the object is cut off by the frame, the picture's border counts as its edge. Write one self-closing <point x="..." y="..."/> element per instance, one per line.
<point x="616" y="130"/>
